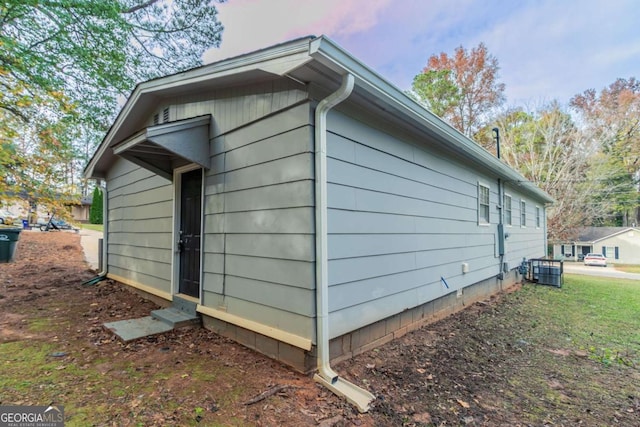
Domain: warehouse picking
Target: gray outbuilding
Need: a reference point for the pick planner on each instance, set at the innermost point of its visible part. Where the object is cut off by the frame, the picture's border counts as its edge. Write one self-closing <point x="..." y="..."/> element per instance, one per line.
<point x="311" y="209"/>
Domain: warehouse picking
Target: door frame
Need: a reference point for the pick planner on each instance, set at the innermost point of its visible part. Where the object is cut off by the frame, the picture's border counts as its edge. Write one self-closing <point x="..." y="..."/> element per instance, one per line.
<point x="177" y="202"/>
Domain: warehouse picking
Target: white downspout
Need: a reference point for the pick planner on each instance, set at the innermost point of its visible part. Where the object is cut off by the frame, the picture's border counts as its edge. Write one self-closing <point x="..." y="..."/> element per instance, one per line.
<point x="105" y="231"/>
<point x="327" y="376"/>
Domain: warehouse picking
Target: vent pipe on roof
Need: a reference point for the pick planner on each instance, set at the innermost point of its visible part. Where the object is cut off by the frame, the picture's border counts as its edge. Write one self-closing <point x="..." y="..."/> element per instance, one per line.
<point x="496" y="131"/>
<point x="326" y="376"/>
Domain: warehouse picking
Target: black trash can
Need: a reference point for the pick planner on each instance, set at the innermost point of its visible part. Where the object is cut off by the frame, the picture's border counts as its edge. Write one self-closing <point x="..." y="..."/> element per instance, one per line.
<point x="8" y="241"/>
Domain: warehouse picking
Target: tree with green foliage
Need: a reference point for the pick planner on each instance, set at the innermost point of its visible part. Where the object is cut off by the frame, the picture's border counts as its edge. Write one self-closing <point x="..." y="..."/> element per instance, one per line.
<point x="64" y="64"/>
<point x="618" y="192"/>
<point x="438" y="91"/>
<point x="95" y="211"/>
<point x="462" y="88"/>
<point x="613" y="117"/>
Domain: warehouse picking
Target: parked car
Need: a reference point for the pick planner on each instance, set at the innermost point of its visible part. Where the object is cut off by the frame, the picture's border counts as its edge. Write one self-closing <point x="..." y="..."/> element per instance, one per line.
<point x="7" y="217"/>
<point x="595" y="259"/>
<point x="59" y="223"/>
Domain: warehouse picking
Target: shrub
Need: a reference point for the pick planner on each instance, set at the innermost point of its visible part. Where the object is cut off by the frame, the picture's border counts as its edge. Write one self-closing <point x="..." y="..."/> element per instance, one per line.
<point x="95" y="212"/>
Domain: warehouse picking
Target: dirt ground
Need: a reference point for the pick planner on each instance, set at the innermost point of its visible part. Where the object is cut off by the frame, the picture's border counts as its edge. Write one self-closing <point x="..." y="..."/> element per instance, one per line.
<point x="476" y="368"/>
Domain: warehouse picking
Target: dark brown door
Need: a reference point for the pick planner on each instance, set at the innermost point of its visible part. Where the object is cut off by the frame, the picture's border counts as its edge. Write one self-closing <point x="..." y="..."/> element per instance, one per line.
<point x="189" y="245"/>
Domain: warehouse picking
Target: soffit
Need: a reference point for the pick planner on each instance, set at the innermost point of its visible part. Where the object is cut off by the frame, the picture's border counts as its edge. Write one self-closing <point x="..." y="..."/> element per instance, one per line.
<point x="160" y="148"/>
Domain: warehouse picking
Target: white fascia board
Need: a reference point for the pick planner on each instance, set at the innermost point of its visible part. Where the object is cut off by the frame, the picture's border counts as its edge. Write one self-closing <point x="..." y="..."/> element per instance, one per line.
<point x="279" y="63"/>
<point x="88" y="171"/>
<point x="278" y="60"/>
<point x="130" y="142"/>
<point x="325" y="51"/>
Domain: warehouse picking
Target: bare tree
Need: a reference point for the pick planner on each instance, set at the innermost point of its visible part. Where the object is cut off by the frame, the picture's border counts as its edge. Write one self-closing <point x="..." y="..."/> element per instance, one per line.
<point x="549" y="149"/>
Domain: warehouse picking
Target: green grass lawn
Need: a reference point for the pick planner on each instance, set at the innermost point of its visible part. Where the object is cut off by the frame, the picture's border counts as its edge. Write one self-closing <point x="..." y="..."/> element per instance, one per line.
<point x="96" y="227"/>
<point x="538" y="356"/>
<point x="596" y="314"/>
<point x="628" y="268"/>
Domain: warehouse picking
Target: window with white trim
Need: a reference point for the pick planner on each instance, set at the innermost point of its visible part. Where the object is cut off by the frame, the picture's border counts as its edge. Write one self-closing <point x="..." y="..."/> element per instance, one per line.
<point x="610" y="252"/>
<point x="523" y="213"/>
<point x="538" y="217"/>
<point x="483" y="204"/>
<point x="508" y="214"/>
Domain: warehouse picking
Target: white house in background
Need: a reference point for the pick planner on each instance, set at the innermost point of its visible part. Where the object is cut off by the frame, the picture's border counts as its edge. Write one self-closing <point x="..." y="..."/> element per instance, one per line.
<point x="310" y="209"/>
<point x="620" y="245"/>
<point x="20" y="207"/>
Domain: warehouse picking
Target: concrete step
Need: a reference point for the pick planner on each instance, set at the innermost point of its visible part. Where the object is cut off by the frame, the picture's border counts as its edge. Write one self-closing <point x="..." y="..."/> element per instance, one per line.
<point x="175" y="318"/>
<point x="132" y="329"/>
<point x="185" y="305"/>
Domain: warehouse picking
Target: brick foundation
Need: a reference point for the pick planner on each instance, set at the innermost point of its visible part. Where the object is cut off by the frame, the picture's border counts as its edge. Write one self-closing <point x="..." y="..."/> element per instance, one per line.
<point x="383" y="331"/>
<point x="297" y="358"/>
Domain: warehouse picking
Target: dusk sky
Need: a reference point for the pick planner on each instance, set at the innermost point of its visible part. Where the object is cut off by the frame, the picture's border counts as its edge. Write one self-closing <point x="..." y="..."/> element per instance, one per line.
<point x="547" y="49"/>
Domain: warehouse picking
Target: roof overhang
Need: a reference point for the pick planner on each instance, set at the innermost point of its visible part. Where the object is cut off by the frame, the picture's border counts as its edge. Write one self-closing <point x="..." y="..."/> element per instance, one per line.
<point x="270" y="63"/>
<point x="162" y="147"/>
<point x="308" y="60"/>
<point x="378" y="91"/>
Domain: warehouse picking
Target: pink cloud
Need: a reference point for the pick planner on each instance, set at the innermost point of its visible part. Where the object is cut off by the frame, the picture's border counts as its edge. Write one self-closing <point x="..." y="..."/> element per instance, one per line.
<point x="254" y="24"/>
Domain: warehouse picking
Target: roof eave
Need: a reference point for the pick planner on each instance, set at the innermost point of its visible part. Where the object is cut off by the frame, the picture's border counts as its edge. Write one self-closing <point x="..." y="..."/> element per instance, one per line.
<point x="331" y="55"/>
<point x="278" y="60"/>
<point x="282" y="59"/>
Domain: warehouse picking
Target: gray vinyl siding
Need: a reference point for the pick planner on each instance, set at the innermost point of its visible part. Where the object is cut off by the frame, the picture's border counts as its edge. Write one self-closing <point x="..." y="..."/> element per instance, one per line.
<point x="258" y="243"/>
<point x="524" y="241"/>
<point x="234" y="107"/>
<point x="401" y="216"/>
<point x="259" y="222"/>
<point x="140" y="225"/>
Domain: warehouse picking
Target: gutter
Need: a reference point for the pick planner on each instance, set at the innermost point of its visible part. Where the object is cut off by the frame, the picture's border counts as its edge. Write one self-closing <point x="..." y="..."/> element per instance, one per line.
<point x="326" y="375"/>
<point x="277" y="60"/>
<point x="328" y="53"/>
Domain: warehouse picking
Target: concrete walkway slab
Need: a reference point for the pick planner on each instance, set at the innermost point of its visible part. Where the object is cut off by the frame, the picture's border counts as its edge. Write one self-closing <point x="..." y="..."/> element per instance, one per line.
<point x="89" y="240"/>
<point x="132" y="329"/>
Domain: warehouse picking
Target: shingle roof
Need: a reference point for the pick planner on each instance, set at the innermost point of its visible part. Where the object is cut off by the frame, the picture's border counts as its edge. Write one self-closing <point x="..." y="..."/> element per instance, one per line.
<point x="592" y="234"/>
